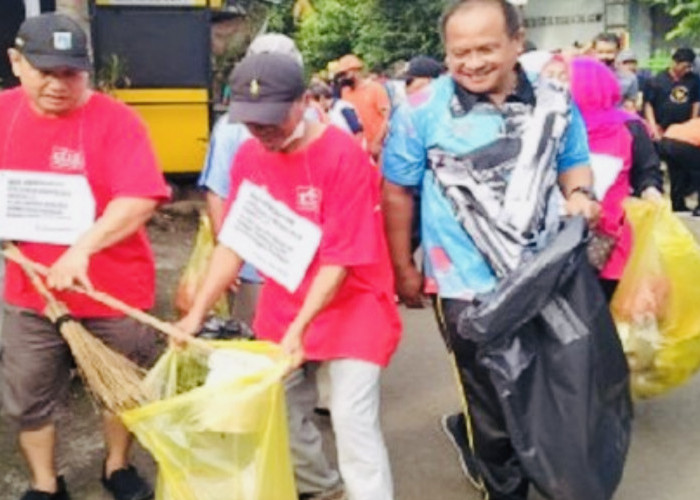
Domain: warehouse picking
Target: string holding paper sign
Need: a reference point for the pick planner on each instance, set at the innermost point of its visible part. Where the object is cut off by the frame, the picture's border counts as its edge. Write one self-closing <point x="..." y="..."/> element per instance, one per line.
<point x="269" y="235"/>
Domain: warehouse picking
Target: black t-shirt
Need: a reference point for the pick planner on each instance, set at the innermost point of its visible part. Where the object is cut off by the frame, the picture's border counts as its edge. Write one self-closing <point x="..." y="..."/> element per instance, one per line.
<point x="646" y="166"/>
<point x="672" y="100"/>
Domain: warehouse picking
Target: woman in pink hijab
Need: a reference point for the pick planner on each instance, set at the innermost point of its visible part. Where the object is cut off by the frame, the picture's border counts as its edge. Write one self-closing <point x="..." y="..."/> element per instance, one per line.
<point x="623" y="158"/>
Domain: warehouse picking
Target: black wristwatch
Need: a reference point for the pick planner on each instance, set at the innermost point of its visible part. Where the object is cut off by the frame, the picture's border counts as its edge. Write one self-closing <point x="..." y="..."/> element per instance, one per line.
<point x="586" y="191"/>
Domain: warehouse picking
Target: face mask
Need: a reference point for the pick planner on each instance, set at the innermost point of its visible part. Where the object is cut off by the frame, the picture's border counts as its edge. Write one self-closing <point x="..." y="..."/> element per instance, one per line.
<point x="296" y="134"/>
<point x="347" y="82"/>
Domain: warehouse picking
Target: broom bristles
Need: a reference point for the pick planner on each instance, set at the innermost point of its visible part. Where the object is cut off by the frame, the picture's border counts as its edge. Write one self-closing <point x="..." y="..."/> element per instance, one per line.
<point x="110" y="377"/>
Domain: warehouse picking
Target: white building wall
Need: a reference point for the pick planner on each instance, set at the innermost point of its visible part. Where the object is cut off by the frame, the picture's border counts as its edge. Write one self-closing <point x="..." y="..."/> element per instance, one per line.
<point x="557" y="24"/>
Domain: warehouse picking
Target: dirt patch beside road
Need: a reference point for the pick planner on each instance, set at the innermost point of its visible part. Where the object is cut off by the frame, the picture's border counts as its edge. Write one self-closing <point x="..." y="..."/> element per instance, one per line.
<point x="172" y="231"/>
<point x="80" y="452"/>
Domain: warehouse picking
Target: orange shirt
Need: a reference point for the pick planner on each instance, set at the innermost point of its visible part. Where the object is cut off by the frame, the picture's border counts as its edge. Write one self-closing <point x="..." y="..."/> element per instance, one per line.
<point x="685" y="132"/>
<point x="372" y="104"/>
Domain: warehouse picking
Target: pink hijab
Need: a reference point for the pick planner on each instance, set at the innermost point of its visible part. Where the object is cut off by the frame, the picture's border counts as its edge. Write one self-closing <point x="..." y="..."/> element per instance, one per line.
<point x="596" y="92"/>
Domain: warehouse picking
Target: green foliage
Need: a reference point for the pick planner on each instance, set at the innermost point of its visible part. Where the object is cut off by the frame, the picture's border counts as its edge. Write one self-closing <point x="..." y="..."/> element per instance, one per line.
<point x="330" y="31"/>
<point x="113" y="74"/>
<point x="687" y="12"/>
<point x="401" y="29"/>
<point x="379" y="31"/>
<point x="281" y="18"/>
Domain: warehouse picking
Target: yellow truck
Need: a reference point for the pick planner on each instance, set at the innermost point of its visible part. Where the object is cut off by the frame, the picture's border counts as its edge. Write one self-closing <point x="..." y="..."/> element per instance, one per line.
<point x="155" y="55"/>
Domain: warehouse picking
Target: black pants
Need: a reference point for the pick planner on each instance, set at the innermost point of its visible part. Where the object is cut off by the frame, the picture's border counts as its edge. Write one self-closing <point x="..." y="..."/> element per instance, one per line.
<point x="609" y="288"/>
<point x="683" y="162"/>
<point x="498" y="464"/>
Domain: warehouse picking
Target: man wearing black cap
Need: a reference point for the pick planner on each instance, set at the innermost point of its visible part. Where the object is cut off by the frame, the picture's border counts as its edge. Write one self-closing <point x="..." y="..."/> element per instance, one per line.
<point x="421" y="71"/>
<point x="305" y="211"/>
<point x="82" y="180"/>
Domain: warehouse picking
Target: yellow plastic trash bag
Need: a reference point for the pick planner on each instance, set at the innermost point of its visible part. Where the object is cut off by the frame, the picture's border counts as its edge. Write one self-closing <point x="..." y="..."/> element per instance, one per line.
<point x="656" y="304"/>
<point x="195" y="271"/>
<point x="218" y="429"/>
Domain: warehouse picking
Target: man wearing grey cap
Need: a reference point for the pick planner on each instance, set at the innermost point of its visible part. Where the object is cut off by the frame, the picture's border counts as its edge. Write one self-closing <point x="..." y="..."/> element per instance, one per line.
<point x="627" y="61"/>
<point x="85" y="172"/>
<point x="305" y="211"/>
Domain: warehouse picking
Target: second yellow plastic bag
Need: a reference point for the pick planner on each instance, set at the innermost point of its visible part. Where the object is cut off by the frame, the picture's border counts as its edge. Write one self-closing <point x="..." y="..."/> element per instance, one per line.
<point x="216" y="438"/>
<point x="656" y="304"/>
<point x="195" y="271"/>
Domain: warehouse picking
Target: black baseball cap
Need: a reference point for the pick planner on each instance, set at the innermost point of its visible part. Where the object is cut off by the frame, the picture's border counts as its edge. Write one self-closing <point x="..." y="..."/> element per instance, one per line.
<point x="264" y="87"/>
<point x="424" y="67"/>
<point x="51" y="41"/>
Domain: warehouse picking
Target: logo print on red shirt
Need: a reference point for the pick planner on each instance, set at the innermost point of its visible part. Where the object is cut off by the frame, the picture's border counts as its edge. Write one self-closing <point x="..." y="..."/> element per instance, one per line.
<point x="308" y="199"/>
<point x="67" y="159"/>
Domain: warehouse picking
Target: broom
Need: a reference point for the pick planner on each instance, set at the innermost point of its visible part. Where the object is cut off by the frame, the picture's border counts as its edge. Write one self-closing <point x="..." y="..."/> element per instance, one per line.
<point x="111" y="378"/>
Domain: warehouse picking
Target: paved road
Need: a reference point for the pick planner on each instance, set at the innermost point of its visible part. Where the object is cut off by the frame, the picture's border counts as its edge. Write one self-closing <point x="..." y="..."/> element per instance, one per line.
<point x="418" y="388"/>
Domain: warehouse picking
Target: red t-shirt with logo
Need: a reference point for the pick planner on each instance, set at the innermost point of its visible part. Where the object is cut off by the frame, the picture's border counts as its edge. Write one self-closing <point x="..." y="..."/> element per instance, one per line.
<point x="332" y="184"/>
<point x="105" y="141"/>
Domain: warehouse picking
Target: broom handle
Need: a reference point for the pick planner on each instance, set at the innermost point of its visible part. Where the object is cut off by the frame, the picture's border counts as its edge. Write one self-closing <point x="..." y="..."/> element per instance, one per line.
<point x="14" y="254"/>
<point x="52" y="306"/>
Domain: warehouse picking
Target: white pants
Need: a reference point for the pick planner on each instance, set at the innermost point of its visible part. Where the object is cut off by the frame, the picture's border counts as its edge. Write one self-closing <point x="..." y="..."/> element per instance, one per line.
<point x="354" y="392"/>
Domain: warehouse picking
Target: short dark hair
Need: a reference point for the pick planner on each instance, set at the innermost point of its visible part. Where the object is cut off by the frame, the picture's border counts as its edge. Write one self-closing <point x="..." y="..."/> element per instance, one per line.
<point x="684" y="54"/>
<point x="608" y="38"/>
<point x="510" y="14"/>
<point x="320" y="89"/>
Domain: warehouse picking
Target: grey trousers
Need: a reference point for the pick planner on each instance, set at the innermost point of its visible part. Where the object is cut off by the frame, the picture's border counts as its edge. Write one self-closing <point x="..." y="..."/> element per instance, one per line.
<point x="244" y="302"/>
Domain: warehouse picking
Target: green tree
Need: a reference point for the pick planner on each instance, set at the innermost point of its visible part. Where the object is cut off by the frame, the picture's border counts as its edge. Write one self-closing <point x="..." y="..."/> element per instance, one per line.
<point x="687" y="12"/>
<point x="401" y="29"/>
<point x="281" y="18"/>
<point x="330" y="31"/>
<point x="379" y="31"/>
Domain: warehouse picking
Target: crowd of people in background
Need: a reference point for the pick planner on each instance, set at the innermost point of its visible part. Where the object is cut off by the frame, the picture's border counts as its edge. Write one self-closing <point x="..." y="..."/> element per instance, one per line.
<point x="350" y="96"/>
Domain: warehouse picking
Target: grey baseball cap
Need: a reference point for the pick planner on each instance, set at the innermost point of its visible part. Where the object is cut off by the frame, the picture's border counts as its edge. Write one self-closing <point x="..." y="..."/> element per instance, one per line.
<point x="51" y="41"/>
<point x="275" y="43"/>
<point x="264" y="87"/>
<point x="626" y="56"/>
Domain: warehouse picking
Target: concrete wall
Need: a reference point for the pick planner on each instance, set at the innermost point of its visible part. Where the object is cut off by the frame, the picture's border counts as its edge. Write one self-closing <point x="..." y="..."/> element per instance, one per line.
<point x="559" y="24"/>
<point x="553" y="24"/>
<point x="641" y="30"/>
<point x="77" y="9"/>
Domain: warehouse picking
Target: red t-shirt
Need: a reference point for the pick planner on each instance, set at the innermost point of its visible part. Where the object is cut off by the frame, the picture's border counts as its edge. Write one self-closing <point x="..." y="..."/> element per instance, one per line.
<point x="362" y="321"/>
<point x="105" y="141"/>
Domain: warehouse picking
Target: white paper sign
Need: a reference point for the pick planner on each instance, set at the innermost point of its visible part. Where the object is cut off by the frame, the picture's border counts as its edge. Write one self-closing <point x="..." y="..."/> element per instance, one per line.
<point x="270" y="236"/>
<point x="606" y="169"/>
<point x="44" y="207"/>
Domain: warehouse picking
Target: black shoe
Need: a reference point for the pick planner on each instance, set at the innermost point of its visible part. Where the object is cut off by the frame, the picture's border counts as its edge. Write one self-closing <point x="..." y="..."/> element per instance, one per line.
<point x="455" y="429"/>
<point x="61" y="493"/>
<point x="337" y="493"/>
<point x="322" y="412"/>
<point x="218" y="329"/>
<point x="126" y="484"/>
<point x="696" y="212"/>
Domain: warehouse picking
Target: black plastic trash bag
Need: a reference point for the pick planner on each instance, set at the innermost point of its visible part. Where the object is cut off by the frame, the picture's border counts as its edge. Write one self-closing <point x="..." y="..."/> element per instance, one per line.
<point x="548" y="340"/>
